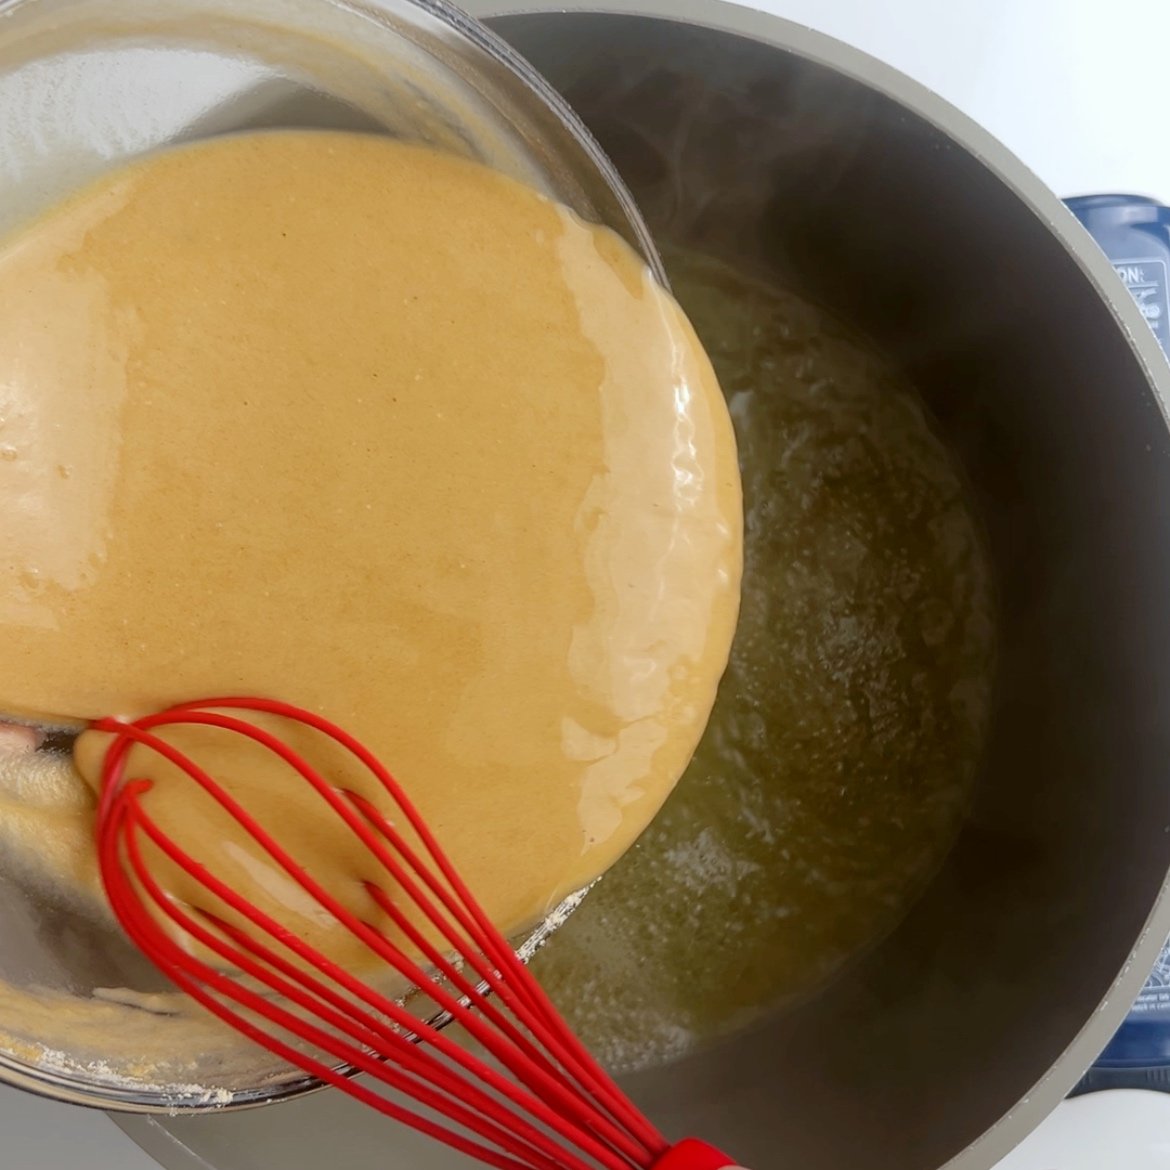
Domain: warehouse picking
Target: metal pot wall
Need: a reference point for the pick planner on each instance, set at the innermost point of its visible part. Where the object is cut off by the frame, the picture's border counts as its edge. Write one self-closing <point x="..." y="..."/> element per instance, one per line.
<point x="749" y="137"/>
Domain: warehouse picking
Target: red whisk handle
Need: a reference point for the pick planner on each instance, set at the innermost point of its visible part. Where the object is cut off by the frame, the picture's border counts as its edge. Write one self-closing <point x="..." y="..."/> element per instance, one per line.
<point x="692" y="1154"/>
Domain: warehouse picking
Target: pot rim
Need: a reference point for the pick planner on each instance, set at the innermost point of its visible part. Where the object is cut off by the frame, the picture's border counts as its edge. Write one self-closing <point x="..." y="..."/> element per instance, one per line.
<point x="821" y="49"/>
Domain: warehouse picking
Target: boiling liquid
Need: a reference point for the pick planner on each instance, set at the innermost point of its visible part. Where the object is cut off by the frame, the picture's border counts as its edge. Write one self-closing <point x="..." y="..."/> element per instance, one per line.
<point x="843" y="746"/>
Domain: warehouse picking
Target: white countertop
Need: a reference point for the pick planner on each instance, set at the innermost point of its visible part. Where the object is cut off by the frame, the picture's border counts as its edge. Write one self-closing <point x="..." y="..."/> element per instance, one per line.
<point x="1074" y="87"/>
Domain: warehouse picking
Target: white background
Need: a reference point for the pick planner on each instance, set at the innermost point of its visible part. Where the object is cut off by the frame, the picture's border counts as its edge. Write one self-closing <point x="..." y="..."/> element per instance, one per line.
<point x="1077" y="88"/>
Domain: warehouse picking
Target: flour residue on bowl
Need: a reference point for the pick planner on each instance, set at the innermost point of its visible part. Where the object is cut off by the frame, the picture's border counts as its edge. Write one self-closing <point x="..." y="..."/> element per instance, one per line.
<point x="841" y="753"/>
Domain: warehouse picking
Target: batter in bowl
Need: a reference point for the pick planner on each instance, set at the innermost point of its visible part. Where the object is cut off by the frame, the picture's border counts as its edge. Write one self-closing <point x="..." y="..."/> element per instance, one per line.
<point x="351" y="422"/>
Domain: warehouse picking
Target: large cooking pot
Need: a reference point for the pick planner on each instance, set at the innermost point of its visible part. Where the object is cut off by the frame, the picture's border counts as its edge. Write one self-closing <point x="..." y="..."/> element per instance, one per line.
<point x="752" y="138"/>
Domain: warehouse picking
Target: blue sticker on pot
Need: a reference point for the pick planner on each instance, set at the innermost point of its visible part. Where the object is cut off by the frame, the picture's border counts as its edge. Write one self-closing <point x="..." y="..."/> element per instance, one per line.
<point x="1145" y="278"/>
<point x="1134" y="232"/>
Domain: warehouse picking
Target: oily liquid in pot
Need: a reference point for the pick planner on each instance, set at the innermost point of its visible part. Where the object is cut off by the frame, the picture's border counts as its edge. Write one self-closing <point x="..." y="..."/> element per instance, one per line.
<point x="841" y="752"/>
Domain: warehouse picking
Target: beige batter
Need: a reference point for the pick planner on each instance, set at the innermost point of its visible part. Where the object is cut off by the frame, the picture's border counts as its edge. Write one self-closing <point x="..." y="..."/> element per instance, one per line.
<point x="376" y="430"/>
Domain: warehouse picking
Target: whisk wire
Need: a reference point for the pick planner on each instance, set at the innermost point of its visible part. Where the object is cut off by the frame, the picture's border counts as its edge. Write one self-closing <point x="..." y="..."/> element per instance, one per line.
<point x="542" y="1019"/>
<point x="537" y="1015"/>
<point x="617" y="1137"/>
<point x="521" y="1138"/>
<point x="177" y="966"/>
<point x="543" y="1080"/>
<point x="538" y="1012"/>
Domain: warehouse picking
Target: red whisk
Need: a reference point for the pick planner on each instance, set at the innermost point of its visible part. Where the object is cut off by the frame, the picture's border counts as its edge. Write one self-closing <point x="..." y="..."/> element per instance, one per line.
<point x="542" y="1103"/>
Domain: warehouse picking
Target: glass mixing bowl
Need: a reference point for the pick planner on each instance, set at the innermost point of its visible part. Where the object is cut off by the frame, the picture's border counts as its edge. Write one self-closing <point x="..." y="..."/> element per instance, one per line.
<point x="85" y="84"/>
